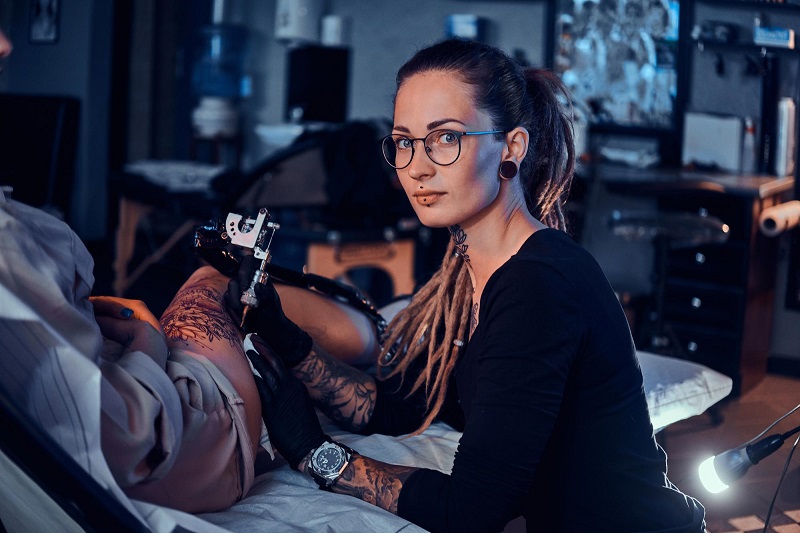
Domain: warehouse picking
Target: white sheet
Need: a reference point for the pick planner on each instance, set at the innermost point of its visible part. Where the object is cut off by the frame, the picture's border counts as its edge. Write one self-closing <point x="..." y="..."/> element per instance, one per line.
<point x="290" y="501"/>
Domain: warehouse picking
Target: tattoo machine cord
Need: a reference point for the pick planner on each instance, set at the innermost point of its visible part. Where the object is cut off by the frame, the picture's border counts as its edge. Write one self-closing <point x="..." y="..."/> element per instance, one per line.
<point x="211" y="244"/>
<point x="780" y="481"/>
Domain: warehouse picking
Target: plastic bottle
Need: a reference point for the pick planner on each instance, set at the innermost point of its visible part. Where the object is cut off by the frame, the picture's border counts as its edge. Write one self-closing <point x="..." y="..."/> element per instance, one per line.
<point x="749" y="147"/>
<point x="784" y="154"/>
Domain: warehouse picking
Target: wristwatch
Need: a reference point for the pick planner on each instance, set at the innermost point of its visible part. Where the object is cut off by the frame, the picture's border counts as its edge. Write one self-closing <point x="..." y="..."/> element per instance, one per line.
<point x="328" y="462"/>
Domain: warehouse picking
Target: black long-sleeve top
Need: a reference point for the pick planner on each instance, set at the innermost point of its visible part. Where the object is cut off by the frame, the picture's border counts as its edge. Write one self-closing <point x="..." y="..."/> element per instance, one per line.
<point x="555" y="421"/>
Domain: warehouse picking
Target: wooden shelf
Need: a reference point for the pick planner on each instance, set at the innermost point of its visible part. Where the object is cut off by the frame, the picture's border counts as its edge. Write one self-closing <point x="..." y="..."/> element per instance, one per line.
<point x="743" y="48"/>
<point x="752" y="4"/>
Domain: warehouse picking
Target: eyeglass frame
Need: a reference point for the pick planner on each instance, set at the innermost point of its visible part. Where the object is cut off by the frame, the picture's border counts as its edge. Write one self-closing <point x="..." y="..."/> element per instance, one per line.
<point x="458" y="134"/>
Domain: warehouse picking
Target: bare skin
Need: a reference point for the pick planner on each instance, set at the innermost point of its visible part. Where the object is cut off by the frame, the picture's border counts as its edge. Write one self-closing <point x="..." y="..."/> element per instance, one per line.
<point x="129" y="326"/>
<point x="345" y="333"/>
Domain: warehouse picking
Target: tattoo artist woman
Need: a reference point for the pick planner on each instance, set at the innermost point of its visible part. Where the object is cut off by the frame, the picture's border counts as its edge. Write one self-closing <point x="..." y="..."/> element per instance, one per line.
<point x="518" y="339"/>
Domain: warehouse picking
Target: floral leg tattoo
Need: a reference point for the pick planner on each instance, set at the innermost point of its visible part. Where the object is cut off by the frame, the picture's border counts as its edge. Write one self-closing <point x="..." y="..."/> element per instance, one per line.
<point x="197" y="315"/>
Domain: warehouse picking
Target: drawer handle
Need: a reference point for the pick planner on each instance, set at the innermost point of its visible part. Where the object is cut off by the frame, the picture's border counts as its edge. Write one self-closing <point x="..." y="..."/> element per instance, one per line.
<point x="699" y="258"/>
<point x="696" y="302"/>
<point x="692" y="346"/>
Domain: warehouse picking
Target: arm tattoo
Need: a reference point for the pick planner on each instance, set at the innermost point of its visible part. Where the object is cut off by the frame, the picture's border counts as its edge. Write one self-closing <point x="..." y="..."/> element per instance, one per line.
<point x="459" y="237"/>
<point x="197" y="314"/>
<point x="344" y="394"/>
<point x="374" y="482"/>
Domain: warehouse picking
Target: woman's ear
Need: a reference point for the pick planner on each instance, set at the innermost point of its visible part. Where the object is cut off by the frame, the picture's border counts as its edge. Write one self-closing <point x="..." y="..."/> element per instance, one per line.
<point x="516" y="144"/>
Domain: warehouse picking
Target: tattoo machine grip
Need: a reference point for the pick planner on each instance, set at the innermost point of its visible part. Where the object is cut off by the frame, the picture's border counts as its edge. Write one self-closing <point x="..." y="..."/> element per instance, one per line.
<point x="249" y="299"/>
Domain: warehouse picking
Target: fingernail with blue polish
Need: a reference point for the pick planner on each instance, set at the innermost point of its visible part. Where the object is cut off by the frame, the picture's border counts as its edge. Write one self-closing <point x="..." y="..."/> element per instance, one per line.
<point x="126" y="312"/>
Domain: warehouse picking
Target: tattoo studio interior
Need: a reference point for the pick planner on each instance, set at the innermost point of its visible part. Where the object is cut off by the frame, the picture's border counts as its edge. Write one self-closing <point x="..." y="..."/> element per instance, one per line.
<point x="150" y="150"/>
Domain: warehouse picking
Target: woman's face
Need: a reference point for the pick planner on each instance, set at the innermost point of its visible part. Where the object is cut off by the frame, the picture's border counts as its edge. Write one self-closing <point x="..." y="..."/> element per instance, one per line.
<point x="457" y="193"/>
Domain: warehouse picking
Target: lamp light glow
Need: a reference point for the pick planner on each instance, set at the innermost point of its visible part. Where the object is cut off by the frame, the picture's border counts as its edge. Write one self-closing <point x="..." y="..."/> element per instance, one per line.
<point x="709" y="477"/>
<point x="718" y="472"/>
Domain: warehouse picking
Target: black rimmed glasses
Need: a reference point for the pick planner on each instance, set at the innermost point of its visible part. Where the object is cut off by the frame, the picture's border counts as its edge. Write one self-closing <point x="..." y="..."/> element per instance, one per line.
<point x="442" y="146"/>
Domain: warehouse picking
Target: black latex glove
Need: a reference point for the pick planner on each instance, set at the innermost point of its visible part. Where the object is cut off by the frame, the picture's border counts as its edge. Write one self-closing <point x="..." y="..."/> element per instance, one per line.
<point x="286" y="338"/>
<point x="286" y="407"/>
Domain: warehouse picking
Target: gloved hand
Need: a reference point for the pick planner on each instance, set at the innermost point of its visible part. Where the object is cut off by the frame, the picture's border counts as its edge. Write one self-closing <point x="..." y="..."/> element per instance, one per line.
<point x="286" y="407"/>
<point x="286" y="338"/>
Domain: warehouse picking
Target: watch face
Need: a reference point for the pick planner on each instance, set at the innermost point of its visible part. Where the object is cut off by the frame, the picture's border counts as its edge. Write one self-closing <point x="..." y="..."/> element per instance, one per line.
<point x="329" y="460"/>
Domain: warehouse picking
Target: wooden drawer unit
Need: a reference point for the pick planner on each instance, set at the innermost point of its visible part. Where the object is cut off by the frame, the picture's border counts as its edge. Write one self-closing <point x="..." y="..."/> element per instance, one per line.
<point x="723" y="264"/>
<point x="703" y="303"/>
<point x="711" y="347"/>
<point x="710" y="289"/>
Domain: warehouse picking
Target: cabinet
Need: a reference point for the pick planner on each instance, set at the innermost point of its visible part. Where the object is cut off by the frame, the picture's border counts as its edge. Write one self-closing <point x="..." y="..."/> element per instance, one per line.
<point x="718" y="298"/>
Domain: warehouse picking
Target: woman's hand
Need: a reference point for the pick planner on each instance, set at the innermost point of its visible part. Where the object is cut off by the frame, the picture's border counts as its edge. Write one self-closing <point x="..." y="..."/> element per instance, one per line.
<point x="286" y="408"/>
<point x="129" y="326"/>
<point x="287" y="340"/>
<point x="295" y="432"/>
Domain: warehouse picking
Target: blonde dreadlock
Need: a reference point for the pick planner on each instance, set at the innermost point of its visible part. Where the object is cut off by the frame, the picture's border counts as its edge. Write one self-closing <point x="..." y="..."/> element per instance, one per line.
<point x="436" y="317"/>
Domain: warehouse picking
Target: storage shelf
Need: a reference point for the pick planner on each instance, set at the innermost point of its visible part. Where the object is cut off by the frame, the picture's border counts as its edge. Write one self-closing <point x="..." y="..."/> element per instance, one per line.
<point x="752" y="4"/>
<point x="743" y="48"/>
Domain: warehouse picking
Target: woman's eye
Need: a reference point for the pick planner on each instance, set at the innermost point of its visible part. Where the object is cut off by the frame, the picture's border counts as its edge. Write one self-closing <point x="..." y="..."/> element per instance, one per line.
<point x="447" y="137"/>
<point x="403" y="143"/>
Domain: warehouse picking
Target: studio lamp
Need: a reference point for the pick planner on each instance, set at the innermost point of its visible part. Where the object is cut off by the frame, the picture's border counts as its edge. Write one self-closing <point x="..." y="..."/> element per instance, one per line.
<point x="719" y="471"/>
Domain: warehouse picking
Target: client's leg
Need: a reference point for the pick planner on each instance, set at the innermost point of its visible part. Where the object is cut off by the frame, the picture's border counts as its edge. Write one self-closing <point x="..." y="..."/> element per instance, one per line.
<point x="339" y="329"/>
<point x="196" y="322"/>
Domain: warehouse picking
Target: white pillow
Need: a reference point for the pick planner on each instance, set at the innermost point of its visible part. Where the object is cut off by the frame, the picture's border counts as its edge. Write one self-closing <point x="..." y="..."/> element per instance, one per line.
<point x="677" y="389"/>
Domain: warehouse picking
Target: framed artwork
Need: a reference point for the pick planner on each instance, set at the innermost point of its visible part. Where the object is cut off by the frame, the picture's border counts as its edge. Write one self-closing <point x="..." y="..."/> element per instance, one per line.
<point x="619" y="59"/>
<point x="44" y="21"/>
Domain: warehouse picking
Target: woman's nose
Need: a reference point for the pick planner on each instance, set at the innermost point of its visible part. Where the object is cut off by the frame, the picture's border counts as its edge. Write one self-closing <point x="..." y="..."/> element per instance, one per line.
<point x="5" y="45"/>
<point x="421" y="165"/>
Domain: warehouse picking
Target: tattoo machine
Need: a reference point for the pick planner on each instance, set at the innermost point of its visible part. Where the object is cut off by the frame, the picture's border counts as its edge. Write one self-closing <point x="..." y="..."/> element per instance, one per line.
<point x="257" y="235"/>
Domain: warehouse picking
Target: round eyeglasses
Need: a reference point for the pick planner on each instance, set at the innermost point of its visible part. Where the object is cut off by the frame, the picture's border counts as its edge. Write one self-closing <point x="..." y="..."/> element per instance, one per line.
<point x="442" y="146"/>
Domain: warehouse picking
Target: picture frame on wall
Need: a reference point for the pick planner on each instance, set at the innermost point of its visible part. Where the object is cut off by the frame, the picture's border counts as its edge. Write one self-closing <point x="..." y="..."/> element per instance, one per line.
<point x="619" y="60"/>
<point x="44" y="21"/>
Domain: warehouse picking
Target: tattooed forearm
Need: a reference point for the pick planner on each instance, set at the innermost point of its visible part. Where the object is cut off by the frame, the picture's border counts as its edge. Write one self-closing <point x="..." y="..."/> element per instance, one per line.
<point x="344" y="394"/>
<point x="374" y="482"/>
<point x="197" y="314"/>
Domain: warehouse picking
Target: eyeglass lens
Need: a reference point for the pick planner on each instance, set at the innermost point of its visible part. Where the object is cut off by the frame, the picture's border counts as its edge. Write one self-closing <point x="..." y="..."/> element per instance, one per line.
<point x="442" y="146"/>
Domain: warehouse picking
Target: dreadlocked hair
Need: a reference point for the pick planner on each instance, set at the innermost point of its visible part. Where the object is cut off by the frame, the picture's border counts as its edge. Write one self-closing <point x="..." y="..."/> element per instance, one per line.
<point x="548" y="169"/>
<point x="436" y="317"/>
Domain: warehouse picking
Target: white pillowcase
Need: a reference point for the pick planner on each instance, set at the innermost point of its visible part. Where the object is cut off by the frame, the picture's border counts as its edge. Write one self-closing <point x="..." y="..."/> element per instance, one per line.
<point x="677" y="389"/>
